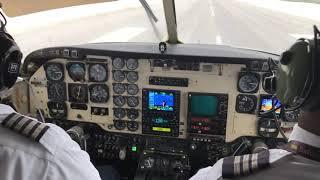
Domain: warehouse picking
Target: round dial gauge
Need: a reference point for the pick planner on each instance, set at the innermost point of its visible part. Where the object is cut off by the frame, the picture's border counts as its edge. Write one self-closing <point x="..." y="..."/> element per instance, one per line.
<point x="57" y="91"/>
<point x="248" y="83"/>
<point x="78" y="93"/>
<point x="132" y="64"/>
<point x="98" y="73"/>
<point x="119" y="113"/>
<point x="132" y="89"/>
<point x="118" y="63"/>
<point x="99" y="93"/>
<point x="133" y="101"/>
<point x="119" y="101"/>
<point x="54" y="71"/>
<point x="119" y="88"/>
<point x="132" y="113"/>
<point x="292" y="116"/>
<point x="132" y="126"/>
<point x="132" y="76"/>
<point x="246" y="104"/>
<point x="119" y="125"/>
<point x="118" y="76"/>
<point x="76" y="71"/>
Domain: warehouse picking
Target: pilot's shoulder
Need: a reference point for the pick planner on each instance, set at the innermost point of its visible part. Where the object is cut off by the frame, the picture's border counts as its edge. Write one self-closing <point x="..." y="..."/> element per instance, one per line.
<point x="48" y="135"/>
<point x="236" y="166"/>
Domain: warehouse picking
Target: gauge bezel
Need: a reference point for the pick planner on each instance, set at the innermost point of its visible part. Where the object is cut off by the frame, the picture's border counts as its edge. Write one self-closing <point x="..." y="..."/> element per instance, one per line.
<point x="69" y="64"/>
<point x="118" y="68"/>
<point x="255" y="101"/>
<point x="132" y="72"/>
<point x="256" y="75"/>
<point x="134" y="97"/>
<point x="116" y="96"/>
<point x="114" y="85"/>
<point x="132" y="122"/>
<point x="113" y="75"/>
<point x="73" y="100"/>
<point x="91" y="86"/>
<point x="136" y="60"/>
<point x="135" y="86"/>
<point x="104" y="65"/>
<point x="119" y="109"/>
<point x="54" y="63"/>
<point x="63" y="84"/>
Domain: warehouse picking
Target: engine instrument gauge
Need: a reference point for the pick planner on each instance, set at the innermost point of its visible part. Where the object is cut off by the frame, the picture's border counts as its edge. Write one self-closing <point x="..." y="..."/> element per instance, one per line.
<point x="248" y="82"/>
<point x="119" y="76"/>
<point x="119" y="113"/>
<point x="119" y="88"/>
<point x="76" y="71"/>
<point x="54" y="71"/>
<point x="118" y="63"/>
<point x="119" y="100"/>
<point x="132" y="126"/>
<point x="57" y="109"/>
<point x="56" y="91"/>
<point x="292" y="116"/>
<point x="132" y="101"/>
<point x="132" y="114"/>
<point x="78" y="93"/>
<point x="119" y="125"/>
<point x="246" y="103"/>
<point x="99" y="93"/>
<point x="132" y="77"/>
<point x="132" y="64"/>
<point x="132" y="89"/>
<point x="98" y="72"/>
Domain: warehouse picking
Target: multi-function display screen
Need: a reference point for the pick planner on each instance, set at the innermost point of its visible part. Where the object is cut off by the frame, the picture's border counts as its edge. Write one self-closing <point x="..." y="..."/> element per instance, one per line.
<point x="267" y="103"/>
<point x="204" y="106"/>
<point x="161" y="101"/>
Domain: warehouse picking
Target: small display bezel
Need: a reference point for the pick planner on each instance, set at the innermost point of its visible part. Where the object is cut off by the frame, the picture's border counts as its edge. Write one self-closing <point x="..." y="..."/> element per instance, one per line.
<point x="268" y="115"/>
<point x="219" y="120"/>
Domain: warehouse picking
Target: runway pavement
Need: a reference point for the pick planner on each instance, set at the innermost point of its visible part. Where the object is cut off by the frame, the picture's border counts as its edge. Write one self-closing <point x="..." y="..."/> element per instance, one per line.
<point x="223" y="22"/>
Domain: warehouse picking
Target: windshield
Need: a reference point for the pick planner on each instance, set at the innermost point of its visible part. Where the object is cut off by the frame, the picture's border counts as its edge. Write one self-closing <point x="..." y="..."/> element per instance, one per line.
<point x="270" y="26"/>
<point x="114" y="21"/>
<point x="267" y="25"/>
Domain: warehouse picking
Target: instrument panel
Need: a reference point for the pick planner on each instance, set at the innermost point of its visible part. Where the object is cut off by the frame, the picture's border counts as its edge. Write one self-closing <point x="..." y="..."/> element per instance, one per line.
<point x="157" y="97"/>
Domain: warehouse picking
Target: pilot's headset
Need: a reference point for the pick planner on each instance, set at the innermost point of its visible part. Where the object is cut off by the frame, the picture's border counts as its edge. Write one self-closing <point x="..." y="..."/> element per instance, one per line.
<point x="10" y="56"/>
<point x="296" y="82"/>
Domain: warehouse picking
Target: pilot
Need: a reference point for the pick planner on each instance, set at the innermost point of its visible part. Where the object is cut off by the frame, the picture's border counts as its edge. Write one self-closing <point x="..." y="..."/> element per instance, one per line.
<point x="297" y="85"/>
<point x="31" y="150"/>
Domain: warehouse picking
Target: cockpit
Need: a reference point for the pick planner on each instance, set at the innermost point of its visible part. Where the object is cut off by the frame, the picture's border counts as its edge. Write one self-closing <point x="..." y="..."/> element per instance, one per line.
<point x="165" y="108"/>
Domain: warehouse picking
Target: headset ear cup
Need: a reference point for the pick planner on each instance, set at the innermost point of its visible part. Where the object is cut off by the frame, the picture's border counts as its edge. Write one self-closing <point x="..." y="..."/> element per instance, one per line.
<point x="10" y="57"/>
<point x="12" y="67"/>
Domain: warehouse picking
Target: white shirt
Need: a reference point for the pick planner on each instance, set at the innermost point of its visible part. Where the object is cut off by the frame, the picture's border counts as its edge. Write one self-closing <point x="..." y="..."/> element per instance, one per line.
<point x="55" y="157"/>
<point x="298" y="134"/>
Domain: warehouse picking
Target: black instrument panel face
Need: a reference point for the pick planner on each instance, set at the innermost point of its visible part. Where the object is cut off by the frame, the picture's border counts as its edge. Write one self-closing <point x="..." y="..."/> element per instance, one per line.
<point x="54" y="71"/>
<point x="78" y="93"/>
<point x="207" y="113"/>
<point x="56" y="90"/>
<point x="98" y="72"/>
<point x="248" y="82"/>
<point x="246" y="103"/>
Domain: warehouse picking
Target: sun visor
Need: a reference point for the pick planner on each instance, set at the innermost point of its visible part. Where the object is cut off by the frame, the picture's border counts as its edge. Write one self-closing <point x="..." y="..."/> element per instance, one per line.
<point x="14" y="8"/>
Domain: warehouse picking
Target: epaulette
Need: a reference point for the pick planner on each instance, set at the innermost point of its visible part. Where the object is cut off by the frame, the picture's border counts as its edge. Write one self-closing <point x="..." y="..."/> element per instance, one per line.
<point x="25" y="126"/>
<point x="236" y="166"/>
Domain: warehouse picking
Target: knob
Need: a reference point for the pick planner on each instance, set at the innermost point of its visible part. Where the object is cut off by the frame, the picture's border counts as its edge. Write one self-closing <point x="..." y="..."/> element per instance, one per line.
<point x="122" y="154"/>
<point x="193" y="146"/>
<point x="149" y="163"/>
